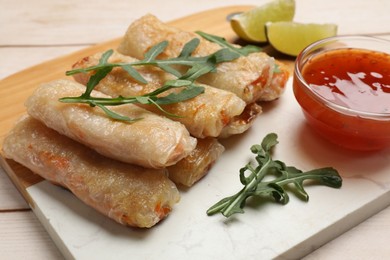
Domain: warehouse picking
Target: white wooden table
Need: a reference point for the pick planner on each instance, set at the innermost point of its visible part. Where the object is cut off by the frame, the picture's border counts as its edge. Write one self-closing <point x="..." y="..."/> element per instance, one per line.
<point x="36" y="31"/>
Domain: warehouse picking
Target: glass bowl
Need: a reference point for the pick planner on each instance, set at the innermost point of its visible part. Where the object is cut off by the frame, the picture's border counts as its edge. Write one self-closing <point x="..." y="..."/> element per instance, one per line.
<point x="342" y="84"/>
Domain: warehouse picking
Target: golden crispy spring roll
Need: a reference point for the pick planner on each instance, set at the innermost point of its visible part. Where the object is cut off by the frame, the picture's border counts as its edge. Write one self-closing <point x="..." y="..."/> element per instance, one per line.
<point x="128" y="194"/>
<point x="195" y="166"/>
<point x="278" y="83"/>
<point x="153" y="142"/>
<point x="247" y="77"/>
<point x="214" y="112"/>
<point x="242" y="122"/>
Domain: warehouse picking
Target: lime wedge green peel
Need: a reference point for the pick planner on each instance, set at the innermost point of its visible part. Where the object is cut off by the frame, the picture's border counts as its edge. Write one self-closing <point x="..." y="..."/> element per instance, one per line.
<point x="250" y="25"/>
<point x="291" y="37"/>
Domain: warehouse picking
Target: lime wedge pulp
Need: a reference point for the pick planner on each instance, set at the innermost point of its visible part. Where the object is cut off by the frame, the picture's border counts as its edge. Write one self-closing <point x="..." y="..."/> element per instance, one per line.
<point x="250" y="25"/>
<point x="291" y="38"/>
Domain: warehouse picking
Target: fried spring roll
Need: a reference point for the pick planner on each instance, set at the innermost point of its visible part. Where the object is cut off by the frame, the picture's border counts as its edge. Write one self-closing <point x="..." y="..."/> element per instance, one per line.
<point x="242" y="122"/>
<point x="128" y="194"/>
<point x="153" y="142"/>
<point x="247" y="77"/>
<point x="278" y="83"/>
<point x="215" y="113"/>
<point x="195" y="166"/>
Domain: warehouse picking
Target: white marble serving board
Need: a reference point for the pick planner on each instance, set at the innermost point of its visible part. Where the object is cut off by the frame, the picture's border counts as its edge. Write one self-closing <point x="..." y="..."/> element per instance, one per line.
<point x="267" y="230"/>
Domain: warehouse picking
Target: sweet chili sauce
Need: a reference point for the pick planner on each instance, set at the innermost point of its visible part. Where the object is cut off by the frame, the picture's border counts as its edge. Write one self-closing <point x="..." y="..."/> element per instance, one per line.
<point x="356" y="80"/>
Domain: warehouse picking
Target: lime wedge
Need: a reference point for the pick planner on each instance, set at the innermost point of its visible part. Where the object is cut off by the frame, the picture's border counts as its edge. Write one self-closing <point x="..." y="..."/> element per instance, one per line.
<point x="291" y="38"/>
<point x="250" y="25"/>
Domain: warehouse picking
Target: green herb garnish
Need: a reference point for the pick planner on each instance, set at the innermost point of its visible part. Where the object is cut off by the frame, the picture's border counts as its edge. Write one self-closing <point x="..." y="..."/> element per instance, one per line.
<point x="242" y="51"/>
<point x="196" y="67"/>
<point x="284" y="175"/>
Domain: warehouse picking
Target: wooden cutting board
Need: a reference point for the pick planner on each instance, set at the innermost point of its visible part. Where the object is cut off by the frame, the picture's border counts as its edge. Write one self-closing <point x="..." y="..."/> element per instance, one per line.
<point x="263" y="232"/>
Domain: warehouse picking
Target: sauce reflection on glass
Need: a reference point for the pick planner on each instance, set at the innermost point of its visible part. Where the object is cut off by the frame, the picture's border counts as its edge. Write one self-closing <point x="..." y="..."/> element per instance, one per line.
<point x="345" y="96"/>
<point x="357" y="79"/>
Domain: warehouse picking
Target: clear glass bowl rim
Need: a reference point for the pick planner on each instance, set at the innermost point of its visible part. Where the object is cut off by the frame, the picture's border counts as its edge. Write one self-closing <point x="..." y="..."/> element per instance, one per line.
<point x="339" y="108"/>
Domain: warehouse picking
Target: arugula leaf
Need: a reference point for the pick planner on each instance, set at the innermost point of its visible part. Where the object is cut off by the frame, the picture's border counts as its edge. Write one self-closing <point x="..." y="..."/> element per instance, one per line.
<point x="189" y="48"/>
<point x="155" y="51"/>
<point x="224" y="55"/>
<point x="134" y="74"/>
<point x="170" y="70"/>
<point x="105" y="57"/>
<point x="198" y="70"/>
<point x="242" y="51"/>
<point x="255" y="187"/>
<point x="185" y="94"/>
<point x="117" y="116"/>
<point x="95" y="79"/>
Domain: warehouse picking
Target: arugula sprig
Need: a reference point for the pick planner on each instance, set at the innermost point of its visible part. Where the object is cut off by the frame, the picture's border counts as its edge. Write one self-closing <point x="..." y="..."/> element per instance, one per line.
<point x="196" y="67"/>
<point x="254" y="186"/>
<point x="241" y="50"/>
<point x="150" y="59"/>
<point x="151" y="98"/>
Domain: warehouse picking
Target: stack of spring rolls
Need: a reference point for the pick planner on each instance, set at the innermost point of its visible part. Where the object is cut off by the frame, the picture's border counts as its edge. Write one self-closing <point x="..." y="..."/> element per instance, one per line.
<point x="130" y="171"/>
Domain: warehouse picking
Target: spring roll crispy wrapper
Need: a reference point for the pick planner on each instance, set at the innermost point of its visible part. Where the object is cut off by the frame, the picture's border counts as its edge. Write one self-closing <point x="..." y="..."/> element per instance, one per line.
<point x="195" y="166"/>
<point x="209" y="114"/>
<point x="247" y="77"/>
<point x="153" y="142"/>
<point x="128" y="194"/>
<point x="278" y="83"/>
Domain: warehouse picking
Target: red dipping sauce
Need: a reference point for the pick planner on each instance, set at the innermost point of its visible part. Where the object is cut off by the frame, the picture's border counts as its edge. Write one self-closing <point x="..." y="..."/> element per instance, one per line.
<point x="343" y="87"/>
